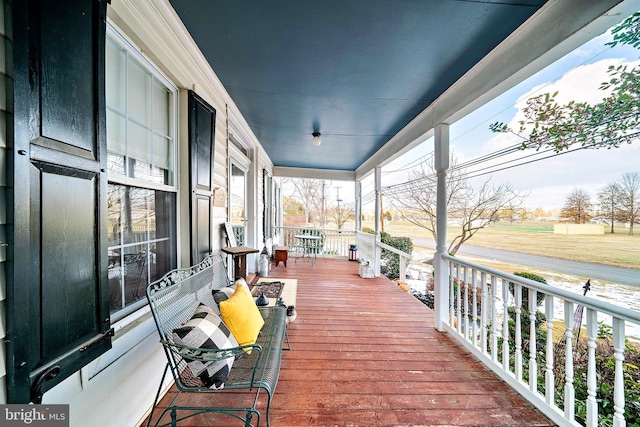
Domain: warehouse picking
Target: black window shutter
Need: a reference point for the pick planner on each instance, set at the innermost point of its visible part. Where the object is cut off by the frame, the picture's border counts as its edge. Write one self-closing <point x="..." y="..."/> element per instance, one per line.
<point x="202" y="129"/>
<point x="57" y="289"/>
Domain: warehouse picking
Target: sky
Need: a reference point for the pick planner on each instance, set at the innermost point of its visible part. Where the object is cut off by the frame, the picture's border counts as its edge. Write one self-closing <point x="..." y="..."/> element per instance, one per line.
<point x="577" y="76"/>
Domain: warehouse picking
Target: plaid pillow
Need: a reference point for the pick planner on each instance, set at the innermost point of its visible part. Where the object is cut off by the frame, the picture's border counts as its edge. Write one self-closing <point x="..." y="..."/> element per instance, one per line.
<point x="206" y="330"/>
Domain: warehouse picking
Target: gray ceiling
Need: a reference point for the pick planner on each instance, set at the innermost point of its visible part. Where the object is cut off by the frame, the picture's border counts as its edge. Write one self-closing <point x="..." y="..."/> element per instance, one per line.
<point x="357" y="71"/>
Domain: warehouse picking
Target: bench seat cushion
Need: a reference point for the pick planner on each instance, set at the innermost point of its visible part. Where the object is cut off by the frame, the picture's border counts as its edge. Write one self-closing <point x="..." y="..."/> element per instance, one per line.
<point x="206" y="330"/>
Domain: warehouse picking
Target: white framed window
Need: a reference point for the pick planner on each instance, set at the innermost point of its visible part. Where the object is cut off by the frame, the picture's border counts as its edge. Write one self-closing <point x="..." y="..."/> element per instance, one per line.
<point x="141" y="109"/>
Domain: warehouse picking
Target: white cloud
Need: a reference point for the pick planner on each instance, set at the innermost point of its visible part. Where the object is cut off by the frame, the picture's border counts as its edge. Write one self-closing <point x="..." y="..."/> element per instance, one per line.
<point x="579" y="84"/>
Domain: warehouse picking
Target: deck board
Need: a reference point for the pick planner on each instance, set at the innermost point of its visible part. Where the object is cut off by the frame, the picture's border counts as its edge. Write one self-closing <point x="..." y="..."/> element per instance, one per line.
<point x="365" y="353"/>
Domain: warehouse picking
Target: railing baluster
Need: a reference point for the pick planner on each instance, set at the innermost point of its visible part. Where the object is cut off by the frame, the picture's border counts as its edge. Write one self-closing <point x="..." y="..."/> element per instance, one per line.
<point x="465" y="283"/>
<point x="452" y="299"/>
<point x="505" y="325"/>
<point x="569" y="391"/>
<point x="533" y="350"/>
<point x="484" y="306"/>
<point x="517" y="292"/>
<point x="494" y="319"/>
<point x="458" y="300"/>
<point x="549" y="377"/>
<point x="592" y="404"/>
<point x="474" y="308"/>
<point x="618" y="355"/>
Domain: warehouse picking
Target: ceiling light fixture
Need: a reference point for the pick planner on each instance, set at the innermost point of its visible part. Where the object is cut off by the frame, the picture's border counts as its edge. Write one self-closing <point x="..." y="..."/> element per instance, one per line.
<point x="316" y="139"/>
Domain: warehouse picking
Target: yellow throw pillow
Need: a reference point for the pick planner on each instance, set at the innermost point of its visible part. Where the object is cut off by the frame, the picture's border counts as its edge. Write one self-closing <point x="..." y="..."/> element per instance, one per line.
<point x="241" y="316"/>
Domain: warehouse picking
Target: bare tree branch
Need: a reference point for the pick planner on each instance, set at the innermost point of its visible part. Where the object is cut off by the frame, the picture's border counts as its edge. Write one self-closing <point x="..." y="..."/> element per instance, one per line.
<point x="471" y="209"/>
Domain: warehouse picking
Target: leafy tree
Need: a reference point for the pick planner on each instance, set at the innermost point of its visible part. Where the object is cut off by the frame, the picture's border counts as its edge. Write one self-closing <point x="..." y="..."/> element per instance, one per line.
<point x="577" y="207"/>
<point x="607" y="124"/>
<point x="472" y="208"/>
<point x="629" y="199"/>
<point x="292" y="207"/>
<point x="608" y="200"/>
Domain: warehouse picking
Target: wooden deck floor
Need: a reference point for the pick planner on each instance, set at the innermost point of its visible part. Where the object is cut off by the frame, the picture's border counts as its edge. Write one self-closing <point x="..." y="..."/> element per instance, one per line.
<point x="365" y="353"/>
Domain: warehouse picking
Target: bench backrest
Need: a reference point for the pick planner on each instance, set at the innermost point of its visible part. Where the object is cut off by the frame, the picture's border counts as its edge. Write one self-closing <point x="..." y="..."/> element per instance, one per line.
<point x="174" y="298"/>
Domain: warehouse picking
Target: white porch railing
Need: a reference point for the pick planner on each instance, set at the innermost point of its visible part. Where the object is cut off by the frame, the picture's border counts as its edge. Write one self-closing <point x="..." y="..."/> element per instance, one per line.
<point x="368" y="251"/>
<point x="336" y="242"/>
<point x="496" y="316"/>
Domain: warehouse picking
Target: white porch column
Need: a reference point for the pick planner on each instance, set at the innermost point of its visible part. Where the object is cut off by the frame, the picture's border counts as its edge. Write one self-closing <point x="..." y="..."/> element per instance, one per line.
<point x="441" y="299"/>
<point x="378" y="191"/>
<point x="358" y="204"/>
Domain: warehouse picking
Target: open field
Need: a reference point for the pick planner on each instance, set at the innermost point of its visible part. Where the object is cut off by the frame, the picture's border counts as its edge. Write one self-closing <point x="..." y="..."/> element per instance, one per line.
<point x="537" y="238"/>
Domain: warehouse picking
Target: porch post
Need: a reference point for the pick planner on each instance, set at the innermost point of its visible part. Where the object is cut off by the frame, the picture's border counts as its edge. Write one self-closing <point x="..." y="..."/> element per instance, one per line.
<point x="358" y="205"/>
<point x="378" y="190"/>
<point x="441" y="298"/>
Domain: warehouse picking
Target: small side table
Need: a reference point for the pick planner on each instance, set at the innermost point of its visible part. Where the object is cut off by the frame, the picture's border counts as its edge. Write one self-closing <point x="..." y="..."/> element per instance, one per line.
<point x="239" y="255"/>
<point x="281" y="254"/>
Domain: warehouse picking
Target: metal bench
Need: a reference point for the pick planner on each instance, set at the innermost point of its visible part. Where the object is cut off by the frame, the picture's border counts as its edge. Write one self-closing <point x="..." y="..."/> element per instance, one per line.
<point x="173" y="300"/>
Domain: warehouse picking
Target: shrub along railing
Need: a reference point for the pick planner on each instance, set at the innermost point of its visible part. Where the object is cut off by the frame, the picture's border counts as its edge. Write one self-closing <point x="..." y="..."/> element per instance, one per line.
<point x="370" y="249"/>
<point x="532" y="336"/>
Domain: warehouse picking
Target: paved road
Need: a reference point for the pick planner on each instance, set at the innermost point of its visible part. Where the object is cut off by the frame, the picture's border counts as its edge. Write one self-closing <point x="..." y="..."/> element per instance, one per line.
<point x="583" y="269"/>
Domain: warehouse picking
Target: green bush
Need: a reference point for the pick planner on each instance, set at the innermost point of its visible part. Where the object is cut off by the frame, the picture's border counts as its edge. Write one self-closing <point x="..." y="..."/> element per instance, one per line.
<point x="392" y="260"/>
<point x="525" y="294"/>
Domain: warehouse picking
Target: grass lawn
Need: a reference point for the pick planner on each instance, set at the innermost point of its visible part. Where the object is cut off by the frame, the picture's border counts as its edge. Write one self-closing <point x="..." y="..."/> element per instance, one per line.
<point x="537" y="238"/>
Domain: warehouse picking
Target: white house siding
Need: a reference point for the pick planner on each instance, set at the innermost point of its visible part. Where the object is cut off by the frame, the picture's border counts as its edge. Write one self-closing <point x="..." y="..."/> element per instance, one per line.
<point x="6" y="119"/>
<point x="118" y="388"/>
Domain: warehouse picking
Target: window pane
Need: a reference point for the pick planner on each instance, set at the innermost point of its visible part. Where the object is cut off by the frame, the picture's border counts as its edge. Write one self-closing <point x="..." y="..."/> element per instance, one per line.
<point x="162" y="152"/>
<point x="161" y="221"/>
<point x="115" y="280"/>
<point x="134" y="273"/>
<point x="162" y="258"/>
<point x="139" y="96"/>
<point x="161" y="108"/>
<point x="116" y="132"/>
<point x="115" y="164"/>
<point x="139" y="146"/>
<point x="115" y="83"/>
<point x="114" y="224"/>
<point x="134" y="212"/>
